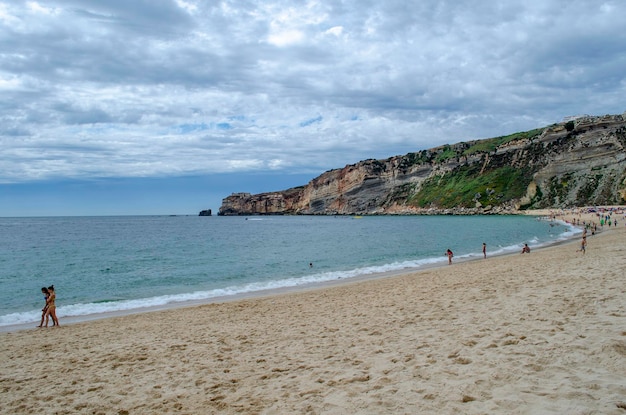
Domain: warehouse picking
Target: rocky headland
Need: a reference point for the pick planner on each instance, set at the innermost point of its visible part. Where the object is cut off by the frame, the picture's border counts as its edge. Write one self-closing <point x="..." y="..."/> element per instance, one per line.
<point x="577" y="162"/>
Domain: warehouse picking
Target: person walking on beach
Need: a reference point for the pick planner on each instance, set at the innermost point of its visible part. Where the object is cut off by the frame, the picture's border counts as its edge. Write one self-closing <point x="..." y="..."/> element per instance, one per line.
<point x="484" y="250"/>
<point x="583" y="245"/>
<point x="450" y="255"/>
<point x="44" y="310"/>
<point x="51" y="307"/>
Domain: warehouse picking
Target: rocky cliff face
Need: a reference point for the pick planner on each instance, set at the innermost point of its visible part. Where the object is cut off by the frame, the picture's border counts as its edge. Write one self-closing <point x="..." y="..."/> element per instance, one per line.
<point x="579" y="162"/>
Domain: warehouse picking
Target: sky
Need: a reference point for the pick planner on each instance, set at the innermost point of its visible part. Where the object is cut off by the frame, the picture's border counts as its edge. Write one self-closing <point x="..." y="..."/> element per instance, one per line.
<point x="132" y="107"/>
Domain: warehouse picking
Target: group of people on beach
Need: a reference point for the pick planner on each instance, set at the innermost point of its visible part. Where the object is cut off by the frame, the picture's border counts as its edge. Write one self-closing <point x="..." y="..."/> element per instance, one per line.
<point x="450" y="254"/>
<point x="525" y="250"/>
<point x="50" y="309"/>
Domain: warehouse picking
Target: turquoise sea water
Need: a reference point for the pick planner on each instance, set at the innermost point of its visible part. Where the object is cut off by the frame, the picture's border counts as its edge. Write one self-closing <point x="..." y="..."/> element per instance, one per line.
<point x="106" y="264"/>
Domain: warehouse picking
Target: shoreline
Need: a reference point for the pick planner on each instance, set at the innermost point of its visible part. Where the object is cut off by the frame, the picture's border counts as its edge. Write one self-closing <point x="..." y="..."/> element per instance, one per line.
<point x="69" y="320"/>
<point x="537" y="333"/>
<point x="73" y="319"/>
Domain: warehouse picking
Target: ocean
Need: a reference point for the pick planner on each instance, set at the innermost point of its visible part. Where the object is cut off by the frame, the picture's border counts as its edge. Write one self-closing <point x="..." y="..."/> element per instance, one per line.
<point x="127" y="264"/>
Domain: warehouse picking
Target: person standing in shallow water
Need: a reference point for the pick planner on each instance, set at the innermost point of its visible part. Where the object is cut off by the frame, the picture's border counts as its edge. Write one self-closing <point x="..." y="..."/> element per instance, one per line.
<point x="484" y="250"/>
<point x="52" y="308"/>
<point x="450" y="255"/>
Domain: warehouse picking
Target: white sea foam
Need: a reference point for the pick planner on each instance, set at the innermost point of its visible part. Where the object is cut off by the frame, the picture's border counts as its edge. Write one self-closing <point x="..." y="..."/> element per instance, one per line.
<point x="80" y="309"/>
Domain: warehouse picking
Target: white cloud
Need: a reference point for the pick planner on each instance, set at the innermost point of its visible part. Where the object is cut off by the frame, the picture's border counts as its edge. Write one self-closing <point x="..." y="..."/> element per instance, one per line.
<point x="183" y="87"/>
<point x="6" y="17"/>
<point x="187" y="6"/>
<point x="335" y="31"/>
<point x="285" y="37"/>
<point x="10" y="83"/>
<point x="37" y="8"/>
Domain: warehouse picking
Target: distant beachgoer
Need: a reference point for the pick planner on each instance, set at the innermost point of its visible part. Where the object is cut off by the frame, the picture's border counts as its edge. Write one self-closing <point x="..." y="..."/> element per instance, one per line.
<point x="44" y="310"/>
<point x="52" y="308"/>
<point x="526" y="249"/>
<point x="484" y="250"/>
<point x="310" y="265"/>
<point x="450" y="255"/>
<point x="583" y="245"/>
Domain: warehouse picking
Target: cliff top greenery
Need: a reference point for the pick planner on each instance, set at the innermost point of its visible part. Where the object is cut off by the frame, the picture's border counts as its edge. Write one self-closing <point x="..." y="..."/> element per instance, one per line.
<point x="490" y="144"/>
<point x="471" y="183"/>
<point x="465" y="186"/>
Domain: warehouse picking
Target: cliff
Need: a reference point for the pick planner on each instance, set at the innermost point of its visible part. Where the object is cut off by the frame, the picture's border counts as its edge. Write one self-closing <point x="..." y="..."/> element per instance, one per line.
<point x="574" y="163"/>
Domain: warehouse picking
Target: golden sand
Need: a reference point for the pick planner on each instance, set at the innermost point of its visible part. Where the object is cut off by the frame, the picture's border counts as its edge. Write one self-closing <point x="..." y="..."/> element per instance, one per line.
<point x="539" y="333"/>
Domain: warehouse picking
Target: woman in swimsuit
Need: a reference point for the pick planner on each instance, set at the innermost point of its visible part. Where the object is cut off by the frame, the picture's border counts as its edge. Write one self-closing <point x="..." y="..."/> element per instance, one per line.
<point x="52" y="308"/>
<point x="44" y="310"/>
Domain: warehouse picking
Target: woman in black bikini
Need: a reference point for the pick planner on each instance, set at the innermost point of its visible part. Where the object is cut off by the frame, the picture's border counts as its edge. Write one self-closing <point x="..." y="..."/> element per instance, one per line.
<point x="44" y="310"/>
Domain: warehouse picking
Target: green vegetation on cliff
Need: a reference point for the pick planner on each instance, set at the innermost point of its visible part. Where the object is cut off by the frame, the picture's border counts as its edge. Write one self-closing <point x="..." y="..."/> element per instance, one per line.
<point x="470" y="184"/>
<point x="490" y="144"/>
<point x="467" y="185"/>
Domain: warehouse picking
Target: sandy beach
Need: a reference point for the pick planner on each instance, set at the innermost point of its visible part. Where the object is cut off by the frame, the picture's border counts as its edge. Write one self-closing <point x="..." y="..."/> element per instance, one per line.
<point x="538" y="333"/>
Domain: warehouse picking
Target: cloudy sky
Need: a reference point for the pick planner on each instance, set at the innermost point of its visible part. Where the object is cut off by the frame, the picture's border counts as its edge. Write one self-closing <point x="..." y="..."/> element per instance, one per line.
<point x="166" y="107"/>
